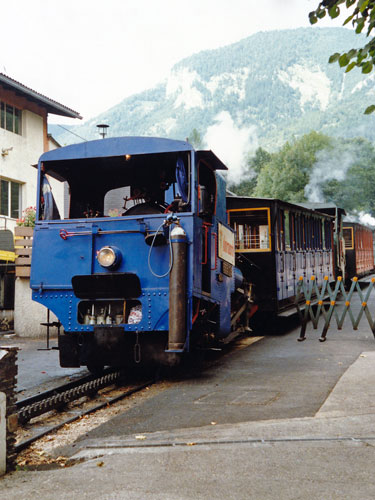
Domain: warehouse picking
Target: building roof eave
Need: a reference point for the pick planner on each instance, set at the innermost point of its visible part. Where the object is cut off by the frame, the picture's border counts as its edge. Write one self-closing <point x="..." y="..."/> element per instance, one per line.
<point x="51" y="106"/>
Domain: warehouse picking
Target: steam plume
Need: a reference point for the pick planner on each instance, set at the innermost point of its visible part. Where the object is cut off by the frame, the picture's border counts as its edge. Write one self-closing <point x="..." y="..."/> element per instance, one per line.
<point x="231" y="144"/>
<point x="330" y="164"/>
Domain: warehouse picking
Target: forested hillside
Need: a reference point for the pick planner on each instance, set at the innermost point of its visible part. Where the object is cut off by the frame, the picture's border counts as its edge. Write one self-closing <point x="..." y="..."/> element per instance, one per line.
<point x="276" y="85"/>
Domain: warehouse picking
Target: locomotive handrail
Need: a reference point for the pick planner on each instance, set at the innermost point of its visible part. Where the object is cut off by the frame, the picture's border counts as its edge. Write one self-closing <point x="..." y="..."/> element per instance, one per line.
<point x="206" y="226"/>
<point x="64" y="234"/>
<point x="215" y="236"/>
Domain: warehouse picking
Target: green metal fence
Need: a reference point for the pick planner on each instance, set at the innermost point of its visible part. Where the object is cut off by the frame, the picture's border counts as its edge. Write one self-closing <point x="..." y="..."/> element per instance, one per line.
<point x="313" y="302"/>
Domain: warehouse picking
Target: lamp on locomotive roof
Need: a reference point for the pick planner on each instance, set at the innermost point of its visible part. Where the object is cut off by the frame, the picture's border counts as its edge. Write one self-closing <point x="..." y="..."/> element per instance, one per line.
<point x="103" y="129"/>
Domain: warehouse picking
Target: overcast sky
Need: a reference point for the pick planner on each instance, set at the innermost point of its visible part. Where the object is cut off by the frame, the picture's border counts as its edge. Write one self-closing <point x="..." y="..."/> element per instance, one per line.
<point x="91" y="54"/>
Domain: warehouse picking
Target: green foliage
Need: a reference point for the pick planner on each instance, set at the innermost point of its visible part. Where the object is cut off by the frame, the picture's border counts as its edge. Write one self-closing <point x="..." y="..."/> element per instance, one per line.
<point x="315" y="159"/>
<point x="195" y="139"/>
<point x="255" y="164"/>
<point x="357" y="191"/>
<point x="288" y="172"/>
<point x="363" y="19"/>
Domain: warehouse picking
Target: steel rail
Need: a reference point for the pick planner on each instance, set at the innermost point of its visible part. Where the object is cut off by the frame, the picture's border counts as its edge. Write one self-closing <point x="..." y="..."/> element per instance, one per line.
<point x="61" y="395"/>
<point x="24" y="444"/>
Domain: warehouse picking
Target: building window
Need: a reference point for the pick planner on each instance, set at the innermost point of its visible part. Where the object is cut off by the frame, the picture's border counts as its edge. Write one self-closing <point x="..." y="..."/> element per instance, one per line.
<point x="10" y="118"/>
<point x="10" y="199"/>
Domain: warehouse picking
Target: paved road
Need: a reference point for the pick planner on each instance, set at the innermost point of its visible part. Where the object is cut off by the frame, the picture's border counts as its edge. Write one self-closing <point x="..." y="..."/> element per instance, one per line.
<point x="38" y="370"/>
<point x="274" y="378"/>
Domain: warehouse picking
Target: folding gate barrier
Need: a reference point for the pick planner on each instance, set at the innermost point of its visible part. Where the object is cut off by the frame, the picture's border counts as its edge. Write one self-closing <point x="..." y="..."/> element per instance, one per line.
<point x="326" y="295"/>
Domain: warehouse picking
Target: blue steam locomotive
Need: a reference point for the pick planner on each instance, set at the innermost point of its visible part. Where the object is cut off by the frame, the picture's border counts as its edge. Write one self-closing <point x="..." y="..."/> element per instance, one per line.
<point x="144" y="265"/>
<point x="148" y="263"/>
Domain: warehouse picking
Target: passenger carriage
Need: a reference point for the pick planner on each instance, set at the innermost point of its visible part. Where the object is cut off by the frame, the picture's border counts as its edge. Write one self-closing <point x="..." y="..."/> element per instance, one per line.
<point x="359" y="249"/>
<point x="277" y="242"/>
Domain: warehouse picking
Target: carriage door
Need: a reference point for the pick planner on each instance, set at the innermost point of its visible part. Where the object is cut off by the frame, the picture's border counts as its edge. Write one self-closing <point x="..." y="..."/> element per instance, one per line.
<point x="206" y="211"/>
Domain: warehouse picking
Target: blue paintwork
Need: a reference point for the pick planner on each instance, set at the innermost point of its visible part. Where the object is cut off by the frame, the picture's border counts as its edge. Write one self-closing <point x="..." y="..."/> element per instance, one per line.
<point x="121" y="146"/>
<point x="116" y="146"/>
<point x="56" y="260"/>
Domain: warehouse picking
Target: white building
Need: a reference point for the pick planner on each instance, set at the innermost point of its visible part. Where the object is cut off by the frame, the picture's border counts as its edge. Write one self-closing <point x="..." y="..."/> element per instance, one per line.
<point x="23" y="138"/>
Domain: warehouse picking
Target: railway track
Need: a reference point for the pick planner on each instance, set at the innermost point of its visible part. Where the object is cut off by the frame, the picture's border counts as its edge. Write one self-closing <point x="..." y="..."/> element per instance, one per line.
<point x="60" y="397"/>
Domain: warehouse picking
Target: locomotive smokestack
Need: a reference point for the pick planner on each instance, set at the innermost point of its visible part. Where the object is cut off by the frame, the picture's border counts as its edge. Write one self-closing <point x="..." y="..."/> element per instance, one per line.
<point x="177" y="291"/>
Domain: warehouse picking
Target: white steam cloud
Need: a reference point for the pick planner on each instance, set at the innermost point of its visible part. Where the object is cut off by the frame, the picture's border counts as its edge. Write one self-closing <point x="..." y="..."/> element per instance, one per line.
<point x="330" y="165"/>
<point x="231" y="144"/>
<point x="361" y="217"/>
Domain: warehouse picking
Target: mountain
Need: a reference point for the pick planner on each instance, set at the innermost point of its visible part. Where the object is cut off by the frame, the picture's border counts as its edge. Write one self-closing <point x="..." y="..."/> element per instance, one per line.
<point x="277" y="85"/>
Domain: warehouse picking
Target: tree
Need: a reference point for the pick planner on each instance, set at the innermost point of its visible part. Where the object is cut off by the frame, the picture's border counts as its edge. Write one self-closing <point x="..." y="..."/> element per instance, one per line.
<point x="288" y="171"/>
<point x="195" y="139"/>
<point x="254" y="166"/>
<point x="356" y="191"/>
<point x="362" y="18"/>
<point x="316" y="167"/>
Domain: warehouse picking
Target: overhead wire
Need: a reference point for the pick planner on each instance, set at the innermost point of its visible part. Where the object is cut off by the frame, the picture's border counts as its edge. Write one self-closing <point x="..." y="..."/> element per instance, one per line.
<point x="71" y="132"/>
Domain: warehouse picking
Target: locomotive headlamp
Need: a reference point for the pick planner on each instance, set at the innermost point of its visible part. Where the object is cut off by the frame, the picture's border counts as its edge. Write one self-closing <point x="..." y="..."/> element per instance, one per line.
<point x="108" y="257"/>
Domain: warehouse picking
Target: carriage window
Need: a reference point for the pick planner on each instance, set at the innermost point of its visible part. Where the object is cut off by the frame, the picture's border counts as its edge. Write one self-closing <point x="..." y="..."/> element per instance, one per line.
<point x="348" y="238"/>
<point x="278" y="232"/>
<point x="293" y="230"/>
<point x="328" y="232"/>
<point x="307" y="233"/>
<point x="299" y="233"/>
<point x="287" y="230"/>
<point x="252" y="227"/>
